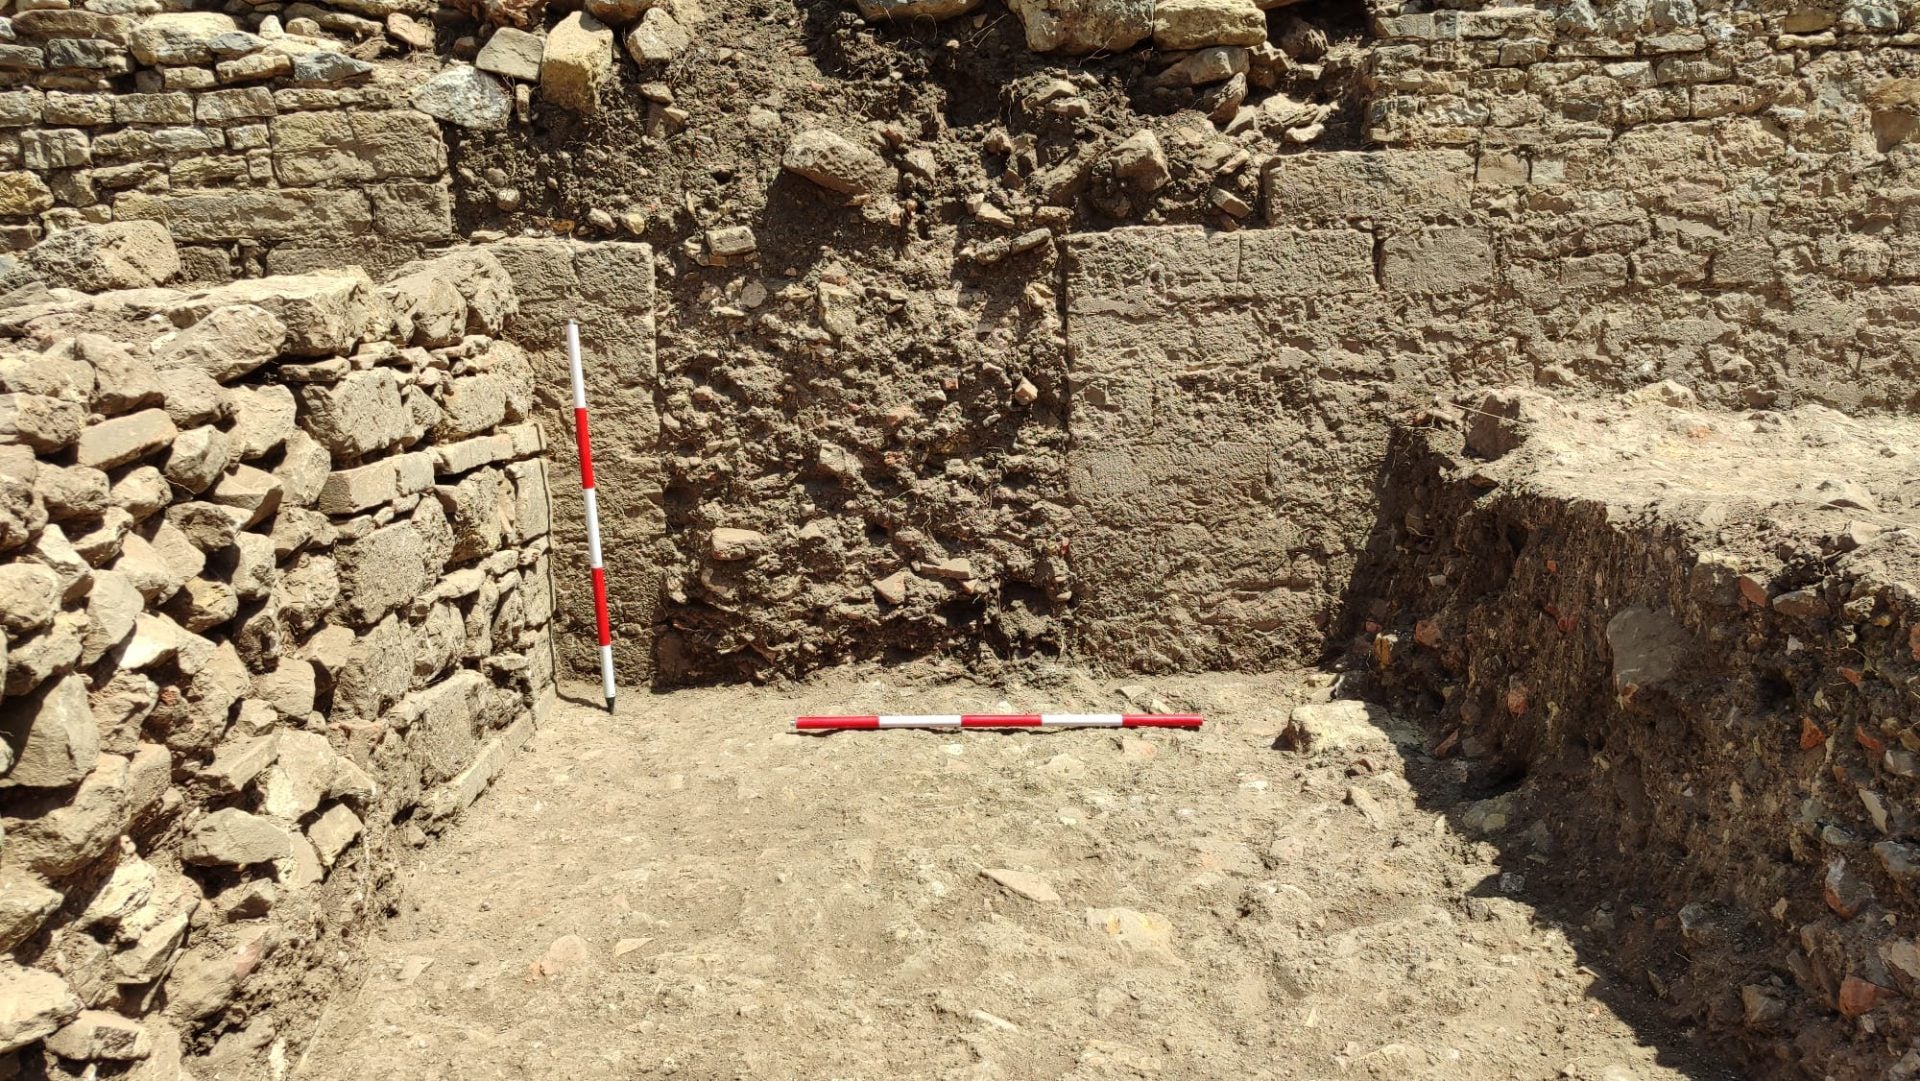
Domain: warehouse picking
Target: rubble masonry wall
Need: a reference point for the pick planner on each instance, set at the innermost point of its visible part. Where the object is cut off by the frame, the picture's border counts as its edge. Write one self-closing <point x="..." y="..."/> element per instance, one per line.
<point x="1716" y="666"/>
<point x="274" y="580"/>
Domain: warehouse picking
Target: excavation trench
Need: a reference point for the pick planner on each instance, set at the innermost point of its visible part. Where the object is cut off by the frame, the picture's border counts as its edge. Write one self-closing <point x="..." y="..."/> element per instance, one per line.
<point x="1523" y="392"/>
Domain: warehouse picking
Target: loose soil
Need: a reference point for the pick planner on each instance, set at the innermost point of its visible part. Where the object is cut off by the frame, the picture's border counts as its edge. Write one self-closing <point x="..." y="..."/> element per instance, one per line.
<point x="687" y="889"/>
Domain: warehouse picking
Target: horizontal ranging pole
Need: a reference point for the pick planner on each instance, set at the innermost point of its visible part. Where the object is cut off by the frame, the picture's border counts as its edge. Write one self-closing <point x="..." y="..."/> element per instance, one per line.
<point x="998" y="720"/>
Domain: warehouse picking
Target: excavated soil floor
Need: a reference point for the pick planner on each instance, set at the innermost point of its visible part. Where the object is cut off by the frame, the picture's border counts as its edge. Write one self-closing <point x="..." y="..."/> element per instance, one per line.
<point x="687" y="889"/>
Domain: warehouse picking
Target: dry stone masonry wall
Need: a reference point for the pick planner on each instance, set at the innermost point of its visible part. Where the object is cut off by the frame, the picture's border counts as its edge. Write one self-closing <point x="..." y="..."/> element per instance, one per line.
<point x="263" y="143"/>
<point x="274" y="582"/>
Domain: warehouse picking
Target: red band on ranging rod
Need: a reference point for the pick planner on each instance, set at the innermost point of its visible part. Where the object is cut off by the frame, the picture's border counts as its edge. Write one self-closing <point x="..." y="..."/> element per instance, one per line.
<point x="600" y="605"/>
<point x="997" y="720"/>
<point x="586" y="447"/>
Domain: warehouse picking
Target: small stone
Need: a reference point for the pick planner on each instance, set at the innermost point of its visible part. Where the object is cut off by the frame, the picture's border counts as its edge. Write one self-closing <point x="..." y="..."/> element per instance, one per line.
<point x="319" y="69"/>
<point x="1761" y="1005"/>
<point x="513" y="53"/>
<point x="893" y="588"/>
<point x="829" y="160"/>
<point x="1844" y="891"/>
<point x="731" y="240"/>
<point x="658" y="39"/>
<point x="1024" y="883"/>
<point x="1205" y="66"/>
<point x="954" y="570"/>
<point x="1228" y="203"/>
<point x="1800" y="604"/>
<point x="729" y="544"/>
<point x="409" y="31"/>
<point x="1140" y="160"/>
<point x="235" y="838"/>
<point x="124" y="439"/>
<point x="1858" y="996"/>
<point x="468" y="97"/>
<point x="569" y="953"/>
<point x="33" y="1005"/>
<point x="335" y="830"/>
<point x="97" y="1035"/>
<point x="1148" y="933"/>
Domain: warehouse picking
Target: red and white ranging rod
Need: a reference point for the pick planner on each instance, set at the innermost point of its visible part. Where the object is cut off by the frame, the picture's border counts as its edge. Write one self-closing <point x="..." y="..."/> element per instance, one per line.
<point x="998" y="720"/>
<point x="593" y="512"/>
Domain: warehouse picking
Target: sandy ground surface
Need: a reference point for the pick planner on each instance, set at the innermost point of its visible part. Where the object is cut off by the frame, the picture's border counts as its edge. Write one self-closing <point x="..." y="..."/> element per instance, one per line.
<point x="687" y="889"/>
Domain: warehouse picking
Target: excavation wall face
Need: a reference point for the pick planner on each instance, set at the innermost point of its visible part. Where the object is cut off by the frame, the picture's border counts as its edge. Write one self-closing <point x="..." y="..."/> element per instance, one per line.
<point x="274" y="586"/>
<point x="1222" y="452"/>
<point x="1701" y="631"/>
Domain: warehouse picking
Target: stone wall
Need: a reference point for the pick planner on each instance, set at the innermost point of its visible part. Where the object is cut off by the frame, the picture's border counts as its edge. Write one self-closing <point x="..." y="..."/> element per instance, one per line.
<point x="1700" y="629"/>
<point x="275" y="580"/>
<point x="262" y="150"/>
<point x="1586" y="203"/>
<point x="608" y="289"/>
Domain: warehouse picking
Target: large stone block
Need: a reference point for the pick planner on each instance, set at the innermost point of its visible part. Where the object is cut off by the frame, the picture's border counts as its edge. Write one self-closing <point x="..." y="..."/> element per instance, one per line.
<point x="382" y="571"/>
<point x="43" y="423"/>
<point x="1306" y="262"/>
<point x="225" y="343"/>
<point x="51" y="734"/>
<point x="349" y="491"/>
<point x="263" y="420"/>
<point x="375" y="669"/>
<point x="360" y="414"/>
<point x="179" y="38"/>
<point x="445" y="718"/>
<point x="1438" y="261"/>
<point x="197" y="217"/>
<point x="234" y="838"/>
<point x="33" y="1005"/>
<point x="471" y="406"/>
<point x="116" y="255"/>
<point x="23" y="193"/>
<point x="324" y="314"/>
<point x="124" y="439"/>
<point x="1084" y="26"/>
<point x="1344" y="185"/>
<point x="578" y="62"/>
<point x="331" y="149"/>
<point x="480" y="278"/>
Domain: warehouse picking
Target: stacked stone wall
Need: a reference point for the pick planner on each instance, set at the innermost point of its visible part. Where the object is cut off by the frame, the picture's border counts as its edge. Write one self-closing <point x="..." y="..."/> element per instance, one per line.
<point x="261" y="149"/>
<point x="275" y="588"/>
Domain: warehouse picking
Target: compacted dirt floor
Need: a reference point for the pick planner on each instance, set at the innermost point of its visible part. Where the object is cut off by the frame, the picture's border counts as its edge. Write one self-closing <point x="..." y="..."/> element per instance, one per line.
<point x="687" y="889"/>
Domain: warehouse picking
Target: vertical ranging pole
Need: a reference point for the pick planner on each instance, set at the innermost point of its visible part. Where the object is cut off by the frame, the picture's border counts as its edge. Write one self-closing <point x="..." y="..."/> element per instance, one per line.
<point x="593" y="512"/>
